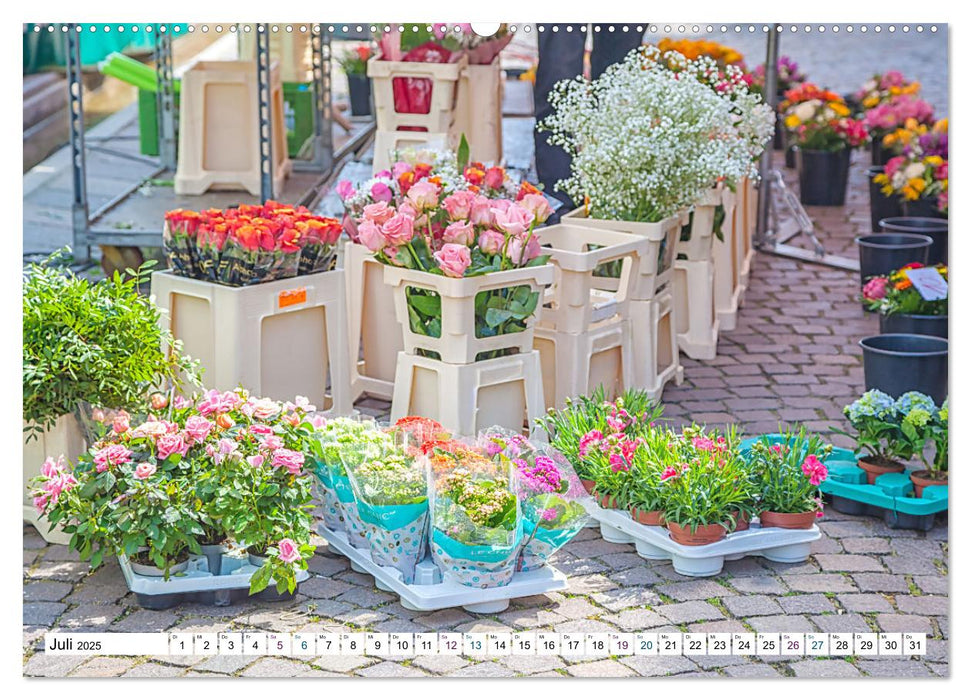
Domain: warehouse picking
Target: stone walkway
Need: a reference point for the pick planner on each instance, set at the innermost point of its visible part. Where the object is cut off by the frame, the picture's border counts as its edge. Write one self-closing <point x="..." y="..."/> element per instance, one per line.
<point x="792" y="357"/>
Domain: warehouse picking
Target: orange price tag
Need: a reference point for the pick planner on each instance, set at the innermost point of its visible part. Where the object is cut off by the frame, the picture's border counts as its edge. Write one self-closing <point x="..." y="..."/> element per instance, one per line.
<point x="292" y="297"/>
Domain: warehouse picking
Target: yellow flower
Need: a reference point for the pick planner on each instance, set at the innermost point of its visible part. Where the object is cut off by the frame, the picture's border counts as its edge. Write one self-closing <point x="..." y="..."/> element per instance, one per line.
<point x="934" y="160"/>
<point x="881" y="179"/>
<point x="792" y="121"/>
<point x="917" y="183"/>
<point x="841" y="109"/>
<point x="941" y="125"/>
<point x="894" y="90"/>
<point x="910" y="89"/>
<point x="909" y="193"/>
<point x="887" y="189"/>
<point x="871" y="101"/>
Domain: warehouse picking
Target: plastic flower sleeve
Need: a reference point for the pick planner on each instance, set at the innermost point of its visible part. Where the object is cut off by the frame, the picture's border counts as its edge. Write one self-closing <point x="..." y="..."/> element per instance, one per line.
<point x="501" y="441"/>
<point x="391" y="491"/>
<point x="327" y="455"/>
<point x="477" y="530"/>
<point x="354" y="443"/>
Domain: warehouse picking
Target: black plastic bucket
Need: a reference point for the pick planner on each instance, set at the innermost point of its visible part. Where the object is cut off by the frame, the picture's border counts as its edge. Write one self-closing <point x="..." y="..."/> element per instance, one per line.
<point x="881" y="253"/>
<point x="914" y="324"/>
<point x="924" y="226"/>
<point x="881" y="206"/>
<point x="823" y="176"/>
<point x="900" y="362"/>
<point x="878" y="154"/>
<point x="360" y="88"/>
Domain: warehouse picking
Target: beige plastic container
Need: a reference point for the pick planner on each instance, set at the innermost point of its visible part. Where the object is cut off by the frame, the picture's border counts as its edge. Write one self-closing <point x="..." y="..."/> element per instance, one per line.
<point x="578" y="299"/>
<point x="746" y="250"/>
<point x="219" y="134"/>
<point x="655" y="343"/>
<point x="467" y="398"/>
<point x="65" y="438"/>
<point x="478" y="111"/>
<point x="698" y="245"/>
<point x="657" y="264"/>
<point x="387" y="143"/>
<point x="444" y="78"/>
<point x="574" y="364"/>
<point x="458" y="343"/>
<point x="374" y="339"/>
<point x="279" y="339"/>
<point x="727" y="279"/>
<point x="290" y="49"/>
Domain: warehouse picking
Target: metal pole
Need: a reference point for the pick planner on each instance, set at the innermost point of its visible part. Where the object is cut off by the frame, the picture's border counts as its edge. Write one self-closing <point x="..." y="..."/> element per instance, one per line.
<point x="165" y="100"/>
<point x="322" y="152"/>
<point x="769" y="94"/>
<point x="264" y="110"/>
<point x="75" y="88"/>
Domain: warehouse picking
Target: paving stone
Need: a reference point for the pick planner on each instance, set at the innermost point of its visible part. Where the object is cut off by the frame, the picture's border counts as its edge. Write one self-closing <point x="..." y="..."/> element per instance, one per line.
<point x="864" y="602"/>
<point x="484" y="669"/>
<point x="752" y="670"/>
<point x="866" y="545"/>
<point x="748" y="605"/>
<point x="847" y="622"/>
<point x="317" y="587"/>
<point x="622" y="598"/>
<point x="881" y="583"/>
<point x="940" y="669"/>
<point x="636" y="619"/>
<point x="595" y="548"/>
<point x="274" y="667"/>
<point x="584" y="626"/>
<point x="45" y="591"/>
<point x="364" y="597"/>
<point x="90" y="615"/>
<point x="530" y="618"/>
<point x="103" y="667"/>
<point x="327" y="566"/>
<point x="807" y="603"/>
<point x="225" y="664"/>
<point x="819" y="583"/>
<point x="718" y="626"/>
<point x="622" y="560"/>
<point x="695" y="611"/>
<point x="389" y="669"/>
<point x="746" y="566"/>
<point x="590" y="584"/>
<point x="153" y="670"/>
<point x="531" y="665"/>
<point x="780" y="623"/>
<point x="440" y="664"/>
<point x="145" y="621"/>
<point x="636" y="576"/>
<point x="932" y="585"/>
<point x="758" y="584"/>
<point x="909" y="564"/>
<point x="923" y="605"/>
<point x="893" y="668"/>
<point x="848" y="562"/>
<point x="361" y="617"/>
<point x="61" y="570"/>
<point x="650" y="666"/>
<point x="824" y="668"/>
<point x="606" y="668"/>
<point x="444" y="619"/>
<point x="904" y="623"/>
<point x="42" y="613"/>
<point x="48" y="666"/>
<point x="699" y="589"/>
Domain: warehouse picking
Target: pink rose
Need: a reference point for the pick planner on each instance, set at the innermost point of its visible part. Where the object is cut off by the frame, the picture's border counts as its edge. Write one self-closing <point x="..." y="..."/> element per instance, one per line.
<point x="158" y="401"/>
<point x="224" y="449"/>
<point x="481" y="211"/>
<point x="40" y="502"/>
<point x="520" y="255"/>
<point x="256" y="461"/>
<point x="494" y="177"/>
<point x="197" y="428"/>
<point x="875" y="289"/>
<point x="424" y="195"/>
<point x="380" y="192"/>
<point x="378" y="213"/>
<point x="144" y="470"/>
<point x="150" y="428"/>
<point x="265" y="408"/>
<point x="453" y="259"/>
<point x="491" y="241"/>
<point x="399" y="169"/>
<point x="121" y="424"/>
<point x="289" y="552"/>
<point x="260" y="429"/>
<point x="180" y="402"/>
<point x="272" y="442"/>
<point x="111" y="456"/>
<point x="171" y="444"/>
<point x="459" y="204"/>
<point x="536" y="205"/>
<point x="399" y="230"/>
<point x="344" y="189"/>
<point x="318" y="422"/>
<point x="514" y="220"/>
<point x="291" y="459"/>
<point x="459" y="232"/>
<point x="370" y="236"/>
<point x="52" y="468"/>
<point x="216" y="402"/>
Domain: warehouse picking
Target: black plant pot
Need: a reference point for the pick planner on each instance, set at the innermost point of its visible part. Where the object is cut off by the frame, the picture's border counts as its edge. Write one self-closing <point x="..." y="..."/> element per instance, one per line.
<point x="881" y="253"/>
<point x="777" y="139"/>
<point x="878" y="154"/>
<point x="789" y="149"/>
<point x="925" y="207"/>
<point x="360" y="88"/>
<point x="901" y="362"/>
<point x="823" y="176"/>
<point x="881" y="206"/>
<point x="914" y="324"/>
<point x="935" y="228"/>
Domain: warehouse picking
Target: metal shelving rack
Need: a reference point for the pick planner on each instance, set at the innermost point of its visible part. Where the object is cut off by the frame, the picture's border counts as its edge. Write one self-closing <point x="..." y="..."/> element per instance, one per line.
<point x="86" y="224"/>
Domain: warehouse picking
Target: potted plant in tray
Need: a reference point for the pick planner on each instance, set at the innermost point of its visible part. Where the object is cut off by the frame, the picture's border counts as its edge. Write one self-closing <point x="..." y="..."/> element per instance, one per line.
<point x="902" y="308"/>
<point x="354" y="63"/>
<point x="787" y="475"/>
<point x="87" y="348"/>
<point x="935" y="428"/>
<point x="877" y="429"/>
<point x="823" y="132"/>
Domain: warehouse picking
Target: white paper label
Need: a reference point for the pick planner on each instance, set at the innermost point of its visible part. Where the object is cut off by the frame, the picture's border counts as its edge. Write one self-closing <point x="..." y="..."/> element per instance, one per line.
<point x="928" y="282"/>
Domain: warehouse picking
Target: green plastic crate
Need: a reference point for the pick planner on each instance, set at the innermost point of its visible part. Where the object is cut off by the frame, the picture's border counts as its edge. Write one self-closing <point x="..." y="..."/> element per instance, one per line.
<point x="298" y="115"/>
<point x="148" y="122"/>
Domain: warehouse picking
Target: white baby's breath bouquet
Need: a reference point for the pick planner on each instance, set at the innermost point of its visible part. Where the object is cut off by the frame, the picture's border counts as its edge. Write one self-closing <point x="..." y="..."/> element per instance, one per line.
<point x="646" y="141"/>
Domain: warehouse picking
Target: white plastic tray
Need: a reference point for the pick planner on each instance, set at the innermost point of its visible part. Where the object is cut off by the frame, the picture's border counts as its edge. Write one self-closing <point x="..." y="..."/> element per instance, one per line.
<point x="653" y="542"/>
<point x="430" y="592"/>
<point x="197" y="577"/>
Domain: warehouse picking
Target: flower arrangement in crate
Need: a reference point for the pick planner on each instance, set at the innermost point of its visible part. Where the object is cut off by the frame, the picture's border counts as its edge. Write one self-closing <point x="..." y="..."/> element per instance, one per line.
<point x="819" y="120"/>
<point x="249" y="244"/>
<point x="459" y="224"/>
<point x="695" y="48"/>
<point x="220" y="468"/>
<point x="895" y="294"/>
<point x="887" y="117"/>
<point x="920" y="172"/>
<point x="787" y="472"/>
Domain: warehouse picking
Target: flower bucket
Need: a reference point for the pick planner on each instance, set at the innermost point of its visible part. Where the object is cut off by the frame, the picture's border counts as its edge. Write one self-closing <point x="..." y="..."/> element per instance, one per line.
<point x="935" y="228"/>
<point x="360" y="88"/>
<point x="923" y="207"/>
<point x="461" y="321"/>
<point x="897" y="363"/>
<point x="878" y="154"/>
<point x="881" y="253"/>
<point x="881" y="206"/>
<point x="476" y="566"/>
<point x="823" y="176"/>
<point x="914" y="324"/>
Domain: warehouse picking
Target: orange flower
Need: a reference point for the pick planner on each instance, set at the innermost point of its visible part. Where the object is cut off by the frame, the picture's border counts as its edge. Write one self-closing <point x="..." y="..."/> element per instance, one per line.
<point x="903" y="284"/>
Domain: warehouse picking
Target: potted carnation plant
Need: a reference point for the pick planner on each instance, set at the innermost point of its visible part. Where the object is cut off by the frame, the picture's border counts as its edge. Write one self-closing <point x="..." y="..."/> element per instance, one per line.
<point x="787" y="474"/>
<point x="877" y="421"/>
<point x="354" y="63"/>
<point x="902" y="308"/>
<point x="824" y="134"/>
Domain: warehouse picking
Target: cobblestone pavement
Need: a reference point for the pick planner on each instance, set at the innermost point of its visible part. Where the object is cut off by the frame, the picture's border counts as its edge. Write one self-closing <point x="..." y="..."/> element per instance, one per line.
<point x="792" y="357"/>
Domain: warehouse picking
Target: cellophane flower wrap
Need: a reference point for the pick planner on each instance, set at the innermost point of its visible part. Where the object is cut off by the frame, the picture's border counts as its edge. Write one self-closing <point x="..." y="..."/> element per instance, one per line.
<point x="355" y="445"/>
<point x="819" y="120"/>
<point x="896" y="294"/>
<point x="477" y="528"/>
<point x="249" y="244"/>
<point x="391" y="492"/>
<point x="787" y="471"/>
<point x="455" y="220"/>
<point x="326" y="449"/>
<point x="646" y="142"/>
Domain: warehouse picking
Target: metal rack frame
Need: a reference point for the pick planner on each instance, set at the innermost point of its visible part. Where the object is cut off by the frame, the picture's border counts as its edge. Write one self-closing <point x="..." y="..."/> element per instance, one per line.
<point x="86" y="230"/>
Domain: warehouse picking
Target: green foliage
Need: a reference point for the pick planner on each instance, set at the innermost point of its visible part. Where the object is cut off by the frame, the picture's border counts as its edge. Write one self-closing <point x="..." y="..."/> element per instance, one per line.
<point x="99" y="343"/>
<point x="777" y="471"/>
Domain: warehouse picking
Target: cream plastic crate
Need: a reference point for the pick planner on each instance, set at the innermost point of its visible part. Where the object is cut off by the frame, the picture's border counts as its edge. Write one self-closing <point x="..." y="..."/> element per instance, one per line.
<point x="290" y="49"/>
<point x="577" y="299"/>
<point x="467" y="398"/>
<point x="458" y="343"/>
<point x="698" y="245"/>
<point x="655" y="343"/>
<point x="478" y="111"/>
<point x="219" y="136"/>
<point x="387" y="143"/>
<point x="374" y="339"/>
<point x="574" y="364"/>
<point x="728" y="289"/>
<point x="444" y="79"/>
<point x="65" y="438"/>
<point x="657" y="264"/>
<point x="280" y="339"/>
<point x="745" y="250"/>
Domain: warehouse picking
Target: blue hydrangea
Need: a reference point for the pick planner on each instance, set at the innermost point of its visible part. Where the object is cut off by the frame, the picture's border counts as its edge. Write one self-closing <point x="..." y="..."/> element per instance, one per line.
<point x="914" y="399"/>
<point x="873" y="404"/>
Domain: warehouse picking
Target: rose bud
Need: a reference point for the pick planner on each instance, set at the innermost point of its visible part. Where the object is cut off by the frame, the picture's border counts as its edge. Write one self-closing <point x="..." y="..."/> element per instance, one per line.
<point x="158" y="401"/>
<point x="224" y="421"/>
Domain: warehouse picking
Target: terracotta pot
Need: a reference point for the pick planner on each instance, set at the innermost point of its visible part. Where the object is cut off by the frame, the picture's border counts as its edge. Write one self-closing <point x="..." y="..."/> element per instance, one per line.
<point x="874" y="470"/>
<point x="923" y="479"/>
<point x="705" y="534"/>
<point x="606" y="501"/>
<point x="589" y="485"/>
<point x="741" y="522"/>
<point x="788" y="521"/>
<point x="647" y="517"/>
